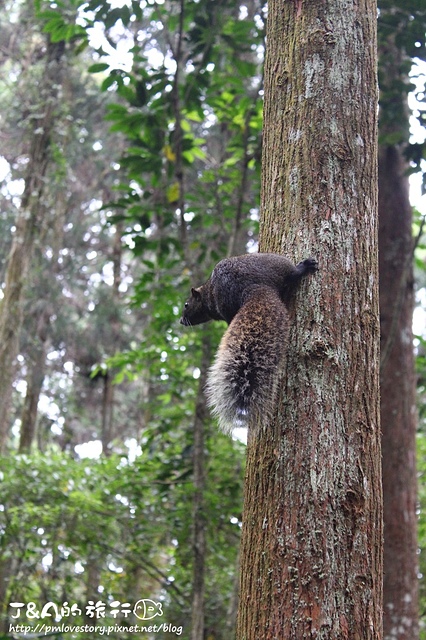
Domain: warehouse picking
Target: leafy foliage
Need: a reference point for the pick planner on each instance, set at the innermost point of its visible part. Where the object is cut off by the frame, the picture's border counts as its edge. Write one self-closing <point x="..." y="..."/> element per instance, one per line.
<point x="401" y="41"/>
<point x="54" y="509"/>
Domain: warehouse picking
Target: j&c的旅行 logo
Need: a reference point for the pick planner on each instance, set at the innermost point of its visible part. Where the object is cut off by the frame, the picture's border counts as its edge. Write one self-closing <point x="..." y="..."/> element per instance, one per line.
<point x="45" y="618"/>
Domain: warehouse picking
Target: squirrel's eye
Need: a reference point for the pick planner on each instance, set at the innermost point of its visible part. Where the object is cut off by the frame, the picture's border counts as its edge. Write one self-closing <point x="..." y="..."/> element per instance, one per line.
<point x="186" y="305"/>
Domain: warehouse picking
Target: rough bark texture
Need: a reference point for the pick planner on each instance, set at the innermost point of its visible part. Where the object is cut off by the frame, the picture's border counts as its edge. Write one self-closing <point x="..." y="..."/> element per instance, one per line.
<point x="311" y="554"/>
<point x="398" y="407"/>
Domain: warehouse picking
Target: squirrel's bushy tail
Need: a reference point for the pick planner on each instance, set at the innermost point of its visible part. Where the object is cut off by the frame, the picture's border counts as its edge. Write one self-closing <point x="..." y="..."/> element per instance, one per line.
<point x="243" y="380"/>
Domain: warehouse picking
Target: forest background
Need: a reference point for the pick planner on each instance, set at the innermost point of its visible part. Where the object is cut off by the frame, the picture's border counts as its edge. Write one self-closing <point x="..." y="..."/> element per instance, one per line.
<point x="130" y="159"/>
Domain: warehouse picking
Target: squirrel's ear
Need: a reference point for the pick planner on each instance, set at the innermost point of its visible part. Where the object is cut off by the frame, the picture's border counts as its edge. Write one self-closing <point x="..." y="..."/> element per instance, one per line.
<point x="196" y="293"/>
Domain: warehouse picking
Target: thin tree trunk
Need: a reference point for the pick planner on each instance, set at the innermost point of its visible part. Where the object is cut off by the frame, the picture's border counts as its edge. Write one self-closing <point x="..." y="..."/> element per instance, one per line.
<point x="107" y="412"/>
<point x="231" y="616"/>
<point x="107" y="423"/>
<point x="35" y="380"/>
<point x="397" y="381"/>
<point x="311" y="551"/>
<point x="198" y="507"/>
<point x="398" y="405"/>
<point x="92" y="573"/>
<point x="34" y="386"/>
<point x="27" y="226"/>
<point x="6" y="573"/>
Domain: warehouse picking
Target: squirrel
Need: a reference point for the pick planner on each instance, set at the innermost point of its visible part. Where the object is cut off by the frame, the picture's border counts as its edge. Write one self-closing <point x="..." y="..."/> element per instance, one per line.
<point x="250" y="292"/>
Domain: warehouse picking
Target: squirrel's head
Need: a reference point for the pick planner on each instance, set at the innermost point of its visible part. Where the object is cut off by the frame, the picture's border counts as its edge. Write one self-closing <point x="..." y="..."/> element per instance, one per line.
<point x="194" y="311"/>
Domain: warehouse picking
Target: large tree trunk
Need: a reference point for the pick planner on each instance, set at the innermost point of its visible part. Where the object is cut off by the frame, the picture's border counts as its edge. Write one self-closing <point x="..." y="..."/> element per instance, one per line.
<point x="311" y="553"/>
<point x="398" y="406"/>
<point x="27" y="227"/>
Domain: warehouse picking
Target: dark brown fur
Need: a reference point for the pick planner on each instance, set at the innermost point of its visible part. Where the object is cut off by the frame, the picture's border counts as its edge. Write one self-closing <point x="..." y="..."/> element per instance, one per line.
<point x="250" y="293"/>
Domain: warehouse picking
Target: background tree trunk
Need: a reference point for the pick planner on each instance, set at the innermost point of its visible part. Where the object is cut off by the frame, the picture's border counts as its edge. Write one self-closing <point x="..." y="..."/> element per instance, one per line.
<point x="35" y="380"/>
<point x="398" y="406"/>
<point x="199" y="515"/>
<point x="311" y="553"/>
<point x="27" y="227"/>
<point x="397" y="375"/>
<point x="108" y="396"/>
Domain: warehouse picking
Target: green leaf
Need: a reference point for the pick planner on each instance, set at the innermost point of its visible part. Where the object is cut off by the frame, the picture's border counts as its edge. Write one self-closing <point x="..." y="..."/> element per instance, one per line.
<point x="108" y="82"/>
<point x="98" y="67"/>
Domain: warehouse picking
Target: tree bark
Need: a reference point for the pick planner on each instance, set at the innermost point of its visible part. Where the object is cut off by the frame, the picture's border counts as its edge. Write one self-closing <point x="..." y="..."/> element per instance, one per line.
<point x="311" y="551"/>
<point x="27" y="226"/>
